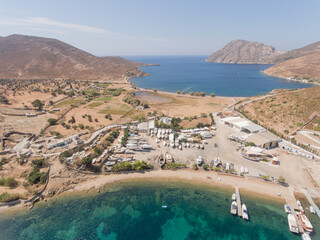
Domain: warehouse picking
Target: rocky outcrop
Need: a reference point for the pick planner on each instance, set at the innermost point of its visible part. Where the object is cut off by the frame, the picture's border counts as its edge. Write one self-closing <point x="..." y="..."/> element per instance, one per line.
<point x="246" y="52"/>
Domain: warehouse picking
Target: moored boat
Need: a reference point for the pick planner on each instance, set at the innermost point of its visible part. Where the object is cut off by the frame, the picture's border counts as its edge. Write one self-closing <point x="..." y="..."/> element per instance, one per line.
<point x="305" y="236"/>
<point x="234" y="197"/>
<point x="306" y="224"/>
<point x="300" y="206"/>
<point x="234" y="207"/>
<point x="293" y="225"/>
<point x="287" y="208"/>
<point x="311" y="209"/>
<point x="199" y="160"/>
<point x="245" y="214"/>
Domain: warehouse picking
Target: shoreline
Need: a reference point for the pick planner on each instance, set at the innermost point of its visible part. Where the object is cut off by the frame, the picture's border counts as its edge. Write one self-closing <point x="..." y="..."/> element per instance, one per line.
<point x="250" y="186"/>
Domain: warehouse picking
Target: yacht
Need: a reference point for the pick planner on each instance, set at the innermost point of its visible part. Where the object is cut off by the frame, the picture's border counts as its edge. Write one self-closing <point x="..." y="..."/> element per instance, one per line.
<point x="199" y="160"/>
<point x="161" y="160"/>
<point x="169" y="158"/>
<point x="293" y="226"/>
<point x="300" y="206"/>
<point x="234" y="207"/>
<point x="311" y="209"/>
<point x="245" y="214"/>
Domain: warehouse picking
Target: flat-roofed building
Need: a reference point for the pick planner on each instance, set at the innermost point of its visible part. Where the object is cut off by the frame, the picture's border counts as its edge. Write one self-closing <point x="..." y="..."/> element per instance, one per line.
<point x="264" y="139"/>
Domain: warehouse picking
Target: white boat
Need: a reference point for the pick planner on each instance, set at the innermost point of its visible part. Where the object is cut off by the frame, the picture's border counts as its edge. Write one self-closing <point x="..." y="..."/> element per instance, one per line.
<point x="311" y="209"/>
<point x="197" y="145"/>
<point x="245" y="214"/>
<point x="146" y="146"/>
<point x="157" y="140"/>
<point x="305" y="222"/>
<point x="287" y="208"/>
<point x="172" y="144"/>
<point x="246" y="171"/>
<point x="241" y="169"/>
<point x="164" y="143"/>
<point x="199" y="160"/>
<point x="201" y="146"/>
<point x="234" y="197"/>
<point x="180" y="147"/>
<point x="305" y="236"/>
<point x="171" y="137"/>
<point x="293" y="225"/>
<point x="300" y="206"/>
<point x="164" y="206"/>
<point x="169" y="157"/>
<point x="217" y="162"/>
<point x="161" y="160"/>
<point x="234" y="207"/>
<point x="187" y="144"/>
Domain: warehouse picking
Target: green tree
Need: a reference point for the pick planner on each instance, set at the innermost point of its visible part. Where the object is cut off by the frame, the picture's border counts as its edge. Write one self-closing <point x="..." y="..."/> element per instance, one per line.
<point x="37" y="104"/>
<point x="195" y="166"/>
<point x="281" y="180"/>
<point x="205" y="166"/>
<point x="178" y="92"/>
<point x="212" y="94"/>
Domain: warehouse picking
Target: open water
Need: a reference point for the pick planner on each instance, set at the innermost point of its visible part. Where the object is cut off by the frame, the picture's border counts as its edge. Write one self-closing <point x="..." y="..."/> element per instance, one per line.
<point x="191" y="73"/>
<point x="132" y="210"/>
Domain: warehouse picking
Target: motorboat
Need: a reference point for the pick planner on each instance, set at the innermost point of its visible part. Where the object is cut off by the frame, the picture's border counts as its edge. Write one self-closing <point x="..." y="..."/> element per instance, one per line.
<point x="293" y="225"/>
<point x="300" y="206"/>
<point x="245" y="214"/>
<point x="287" y="208"/>
<point x="234" y="197"/>
<point x="234" y="208"/>
<point x="306" y="224"/>
<point x="311" y="209"/>
<point x="305" y="236"/>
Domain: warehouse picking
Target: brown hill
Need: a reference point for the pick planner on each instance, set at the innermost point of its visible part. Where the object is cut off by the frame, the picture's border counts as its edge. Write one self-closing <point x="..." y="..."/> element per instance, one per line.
<point x="29" y="57"/>
<point x="299" y="52"/>
<point x="245" y="52"/>
<point x="302" y="67"/>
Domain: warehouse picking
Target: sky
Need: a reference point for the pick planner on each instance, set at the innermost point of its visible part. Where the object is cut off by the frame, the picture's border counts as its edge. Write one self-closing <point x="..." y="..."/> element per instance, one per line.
<point x="163" y="27"/>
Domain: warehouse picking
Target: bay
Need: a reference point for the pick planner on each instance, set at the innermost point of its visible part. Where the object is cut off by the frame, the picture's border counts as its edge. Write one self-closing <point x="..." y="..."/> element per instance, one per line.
<point x="191" y="73"/>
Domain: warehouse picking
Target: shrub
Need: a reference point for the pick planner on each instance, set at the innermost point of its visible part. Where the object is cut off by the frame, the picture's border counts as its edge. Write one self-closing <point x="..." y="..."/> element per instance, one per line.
<point x="178" y="92"/>
<point x="7" y="197"/>
<point x="52" y="121"/>
<point x="195" y="166"/>
<point x="174" y="165"/>
<point x="8" y="182"/>
<point x="39" y="163"/>
<point x="281" y="180"/>
<point x="205" y="166"/>
<point x="35" y="176"/>
<point x="212" y="95"/>
<point x="191" y="93"/>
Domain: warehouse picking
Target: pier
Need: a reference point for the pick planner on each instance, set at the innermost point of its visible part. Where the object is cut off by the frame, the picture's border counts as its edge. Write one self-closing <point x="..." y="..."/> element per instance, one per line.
<point x="292" y="202"/>
<point x="315" y="207"/>
<point x="238" y="199"/>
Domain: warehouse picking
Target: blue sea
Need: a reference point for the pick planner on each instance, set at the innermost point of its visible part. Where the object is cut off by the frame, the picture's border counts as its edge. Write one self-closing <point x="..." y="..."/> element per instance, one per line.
<point x="191" y="73"/>
<point x="133" y="211"/>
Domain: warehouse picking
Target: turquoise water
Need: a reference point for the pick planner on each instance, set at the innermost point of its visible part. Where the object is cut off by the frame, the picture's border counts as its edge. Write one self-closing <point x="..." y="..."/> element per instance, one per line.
<point x="190" y="73"/>
<point x="132" y="210"/>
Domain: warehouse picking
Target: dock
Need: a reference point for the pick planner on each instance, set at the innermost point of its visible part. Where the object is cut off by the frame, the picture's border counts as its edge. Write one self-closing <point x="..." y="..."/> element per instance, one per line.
<point x="292" y="202"/>
<point x="315" y="207"/>
<point x="238" y="199"/>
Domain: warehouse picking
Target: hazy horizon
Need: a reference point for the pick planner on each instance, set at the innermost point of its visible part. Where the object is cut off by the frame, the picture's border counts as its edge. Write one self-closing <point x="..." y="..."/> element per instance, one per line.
<point x="165" y="28"/>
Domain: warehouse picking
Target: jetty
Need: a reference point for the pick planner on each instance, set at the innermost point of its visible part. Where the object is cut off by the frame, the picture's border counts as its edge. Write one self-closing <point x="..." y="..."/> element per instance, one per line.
<point x="292" y="202"/>
<point x="238" y="199"/>
<point x="315" y="207"/>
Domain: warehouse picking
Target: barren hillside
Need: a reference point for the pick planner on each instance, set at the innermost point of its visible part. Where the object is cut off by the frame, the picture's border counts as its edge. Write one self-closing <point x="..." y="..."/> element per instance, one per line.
<point x="245" y="52"/>
<point x="28" y="57"/>
<point x="286" y="112"/>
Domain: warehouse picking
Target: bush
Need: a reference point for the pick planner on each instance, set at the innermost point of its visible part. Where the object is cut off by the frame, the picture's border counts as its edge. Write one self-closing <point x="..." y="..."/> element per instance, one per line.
<point x="7" y="197"/>
<point x="205" y="167"/>
<point x="250" y="144"/>
<point x="212" y="95"/>
<point x="52" y="121"/>
<point x="281" y="180"/>
<point x="178" y="92"/>
<point x="39" y="163"/>
<point x="35" y="176"/>
<point x="191" y="93"/>
<point x="8" y="182"/>
<point x="87" y="161"/>
<point x="174" y="165"/>
<point x="195" y="166"/>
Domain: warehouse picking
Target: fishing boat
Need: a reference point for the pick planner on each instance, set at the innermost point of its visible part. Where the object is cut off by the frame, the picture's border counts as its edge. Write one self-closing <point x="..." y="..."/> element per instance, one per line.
<point x="306" y="224"/>
<point x="169" y="158"/>
<point x="234" y="197"/>
<point x="305" y="236"/>
<point x="287" y="208"/>
<point x="161" y="160"/>
<point x="234" y="207"/>
<point x="311" y="209"/>
<point x="300" y="206"/>
<point x="245" y="214"/>
<point x="293" y="225"/>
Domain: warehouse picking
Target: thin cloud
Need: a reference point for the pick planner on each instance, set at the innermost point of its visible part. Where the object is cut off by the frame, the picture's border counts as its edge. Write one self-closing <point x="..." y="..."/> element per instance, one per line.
<point x="45" y="23"/>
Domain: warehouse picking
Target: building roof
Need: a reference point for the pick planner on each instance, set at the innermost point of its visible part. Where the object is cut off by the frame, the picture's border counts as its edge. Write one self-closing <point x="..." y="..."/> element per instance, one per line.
<point x="230" y="119"/>
<point x="261" y="138"/>
<point x="241" y="124"/>
<point x="253" y="128"/>
<point x="143" y="126"/>
<point x="151" y="124"/>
